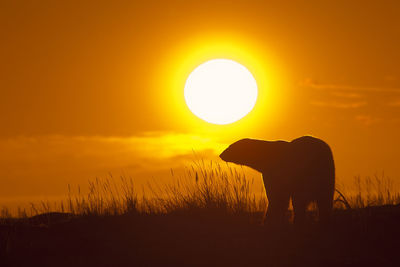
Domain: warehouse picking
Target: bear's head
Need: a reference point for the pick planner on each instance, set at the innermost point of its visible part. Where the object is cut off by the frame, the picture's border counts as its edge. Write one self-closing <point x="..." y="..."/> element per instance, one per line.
<point x="242" y="152"/>
<point x="260" y="155"/>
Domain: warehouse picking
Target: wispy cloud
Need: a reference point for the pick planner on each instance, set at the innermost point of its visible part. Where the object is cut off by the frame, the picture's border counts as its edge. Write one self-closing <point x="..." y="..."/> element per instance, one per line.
<point x="351" y="95"/>
<point x="46" y="164"/>
<point x="340" y="105"/>
<point x="390" y="78"/>
<point x="309" y="83"/>
<point x="394" y="103"/>
<point x="367" y="120"/>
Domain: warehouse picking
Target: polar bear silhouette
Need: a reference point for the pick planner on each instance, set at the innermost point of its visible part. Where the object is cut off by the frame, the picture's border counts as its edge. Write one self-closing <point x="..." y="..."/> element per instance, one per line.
<point x="302" y="170"/>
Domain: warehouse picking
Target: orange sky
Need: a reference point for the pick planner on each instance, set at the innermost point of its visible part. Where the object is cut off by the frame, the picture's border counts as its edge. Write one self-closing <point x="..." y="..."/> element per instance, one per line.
<point x="89" y="88"/>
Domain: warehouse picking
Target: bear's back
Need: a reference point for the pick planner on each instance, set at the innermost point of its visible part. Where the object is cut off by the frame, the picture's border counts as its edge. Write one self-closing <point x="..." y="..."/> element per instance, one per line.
<point x="310" y="146"/>
<point x="312" y="163"/>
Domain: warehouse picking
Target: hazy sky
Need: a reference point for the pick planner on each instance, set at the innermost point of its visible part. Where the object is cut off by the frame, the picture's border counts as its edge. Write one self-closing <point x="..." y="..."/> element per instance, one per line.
<point x="94" y="87"/>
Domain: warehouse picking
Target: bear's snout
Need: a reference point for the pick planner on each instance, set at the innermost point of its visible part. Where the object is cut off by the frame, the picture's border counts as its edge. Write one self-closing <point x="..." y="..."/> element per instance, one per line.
<point x="223" y="155"/>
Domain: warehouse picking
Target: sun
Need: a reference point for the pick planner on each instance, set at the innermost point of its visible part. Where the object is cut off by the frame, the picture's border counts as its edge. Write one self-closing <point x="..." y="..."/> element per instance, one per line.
<point x="221" y="91"/>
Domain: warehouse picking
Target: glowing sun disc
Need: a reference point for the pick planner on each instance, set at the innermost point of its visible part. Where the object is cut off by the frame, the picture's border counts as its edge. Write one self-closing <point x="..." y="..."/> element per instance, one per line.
<point x="220" y="91"/>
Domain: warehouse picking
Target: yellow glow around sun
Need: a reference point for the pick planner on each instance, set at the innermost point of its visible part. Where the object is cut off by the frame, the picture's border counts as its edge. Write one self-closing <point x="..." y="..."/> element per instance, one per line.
<point x="180" y="61"/>
<point x="221" y="91"/>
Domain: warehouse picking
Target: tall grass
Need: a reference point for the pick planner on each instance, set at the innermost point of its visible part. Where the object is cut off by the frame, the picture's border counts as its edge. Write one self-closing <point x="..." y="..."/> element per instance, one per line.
<point x="212" y="187"/>
<point x="106" y="196"/>
<point x="203" y="187"/>
<point x="371" y="191"/>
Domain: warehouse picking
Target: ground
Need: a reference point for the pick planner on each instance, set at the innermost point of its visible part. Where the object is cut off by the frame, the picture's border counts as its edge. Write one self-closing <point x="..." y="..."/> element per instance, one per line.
<point x="362" y="237"/>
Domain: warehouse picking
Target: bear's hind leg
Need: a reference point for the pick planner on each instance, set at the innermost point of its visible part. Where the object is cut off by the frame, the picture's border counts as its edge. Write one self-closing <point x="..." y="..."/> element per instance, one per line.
<point x="325" y="205"/>
<point x="299" y="208"/>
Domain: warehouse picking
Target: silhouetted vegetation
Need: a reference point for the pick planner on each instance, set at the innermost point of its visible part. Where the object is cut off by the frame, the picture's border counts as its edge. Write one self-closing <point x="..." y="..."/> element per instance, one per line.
<point x="211" y="215"/>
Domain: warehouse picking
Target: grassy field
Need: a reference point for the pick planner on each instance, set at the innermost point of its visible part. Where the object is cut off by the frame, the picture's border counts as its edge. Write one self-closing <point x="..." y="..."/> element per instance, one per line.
<point x="211" y="215"/>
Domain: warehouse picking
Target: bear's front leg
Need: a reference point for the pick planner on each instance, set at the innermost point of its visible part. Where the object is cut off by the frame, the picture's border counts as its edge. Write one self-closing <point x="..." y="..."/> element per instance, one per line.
<point x="278" y="203"/>
<point x="276" y="212"/>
